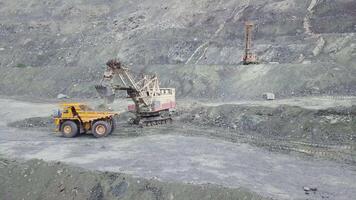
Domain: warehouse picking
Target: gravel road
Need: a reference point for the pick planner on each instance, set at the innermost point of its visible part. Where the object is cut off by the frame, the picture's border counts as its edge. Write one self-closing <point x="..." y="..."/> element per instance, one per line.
<point x="173" y="156"/>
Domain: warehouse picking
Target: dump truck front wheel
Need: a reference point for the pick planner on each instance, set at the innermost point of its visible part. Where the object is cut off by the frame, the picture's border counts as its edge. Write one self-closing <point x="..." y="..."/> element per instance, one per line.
<point x="101" y="129"/>
<point x="69" y="129"/>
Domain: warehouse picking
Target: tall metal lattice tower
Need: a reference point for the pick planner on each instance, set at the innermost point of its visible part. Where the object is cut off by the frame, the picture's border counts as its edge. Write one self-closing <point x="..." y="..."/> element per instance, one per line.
<point x="249" y="57"/>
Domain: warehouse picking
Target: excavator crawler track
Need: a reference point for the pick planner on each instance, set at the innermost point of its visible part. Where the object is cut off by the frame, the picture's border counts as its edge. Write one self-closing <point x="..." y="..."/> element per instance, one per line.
<point x="156" y="122"/>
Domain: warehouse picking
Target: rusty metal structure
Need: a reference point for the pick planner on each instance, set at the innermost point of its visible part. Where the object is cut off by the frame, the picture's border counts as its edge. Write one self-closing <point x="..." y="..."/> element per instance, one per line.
<point x="249" y="56"/>
<point x="152" y="104"/>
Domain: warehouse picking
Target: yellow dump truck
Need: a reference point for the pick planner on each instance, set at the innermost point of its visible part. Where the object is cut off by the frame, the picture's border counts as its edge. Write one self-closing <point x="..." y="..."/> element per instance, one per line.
<point x="75" y="118"/>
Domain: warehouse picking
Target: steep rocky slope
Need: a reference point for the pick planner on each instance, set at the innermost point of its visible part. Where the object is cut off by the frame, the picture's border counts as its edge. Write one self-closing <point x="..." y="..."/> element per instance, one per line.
<point x="48" y="47"/>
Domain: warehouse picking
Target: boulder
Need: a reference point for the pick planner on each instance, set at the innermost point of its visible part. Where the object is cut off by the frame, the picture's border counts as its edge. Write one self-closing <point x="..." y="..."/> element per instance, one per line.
<point x="62" y="96"/>
<point x="269" y="96"/>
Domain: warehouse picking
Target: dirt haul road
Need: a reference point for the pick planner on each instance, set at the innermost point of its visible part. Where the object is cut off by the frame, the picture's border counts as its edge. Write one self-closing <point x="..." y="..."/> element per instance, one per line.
<point x="171" y="156"/>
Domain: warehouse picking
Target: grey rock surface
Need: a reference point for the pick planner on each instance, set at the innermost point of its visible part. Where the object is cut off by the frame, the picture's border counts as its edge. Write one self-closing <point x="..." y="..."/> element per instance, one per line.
<point x="60" y="46"/>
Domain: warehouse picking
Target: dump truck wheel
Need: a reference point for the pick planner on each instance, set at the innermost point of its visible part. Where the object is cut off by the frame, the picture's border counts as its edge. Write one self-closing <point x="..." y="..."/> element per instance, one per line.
<point x="101" y="129"/>
<point x="69" y="129"/>
<point x="113" y="126"/>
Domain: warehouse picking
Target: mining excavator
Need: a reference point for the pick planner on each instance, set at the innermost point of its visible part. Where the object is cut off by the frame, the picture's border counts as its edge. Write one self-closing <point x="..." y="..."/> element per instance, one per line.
<point x="152" y="105"/>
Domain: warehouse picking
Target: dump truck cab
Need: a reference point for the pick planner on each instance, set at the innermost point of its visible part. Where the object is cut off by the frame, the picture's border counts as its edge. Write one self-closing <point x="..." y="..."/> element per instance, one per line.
<point x="73" y="119"/>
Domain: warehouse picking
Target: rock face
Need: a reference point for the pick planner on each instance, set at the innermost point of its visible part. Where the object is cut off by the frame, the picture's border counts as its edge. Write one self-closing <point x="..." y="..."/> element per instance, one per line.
<point x="63" y="43"/>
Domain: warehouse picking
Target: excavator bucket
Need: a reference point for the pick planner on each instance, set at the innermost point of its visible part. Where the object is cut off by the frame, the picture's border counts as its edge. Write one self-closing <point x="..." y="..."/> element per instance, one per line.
<point x="105" y="93"/>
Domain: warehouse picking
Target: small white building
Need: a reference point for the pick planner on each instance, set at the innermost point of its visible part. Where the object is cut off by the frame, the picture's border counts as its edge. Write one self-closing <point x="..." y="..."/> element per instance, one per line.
<point x="269" y="96"/>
